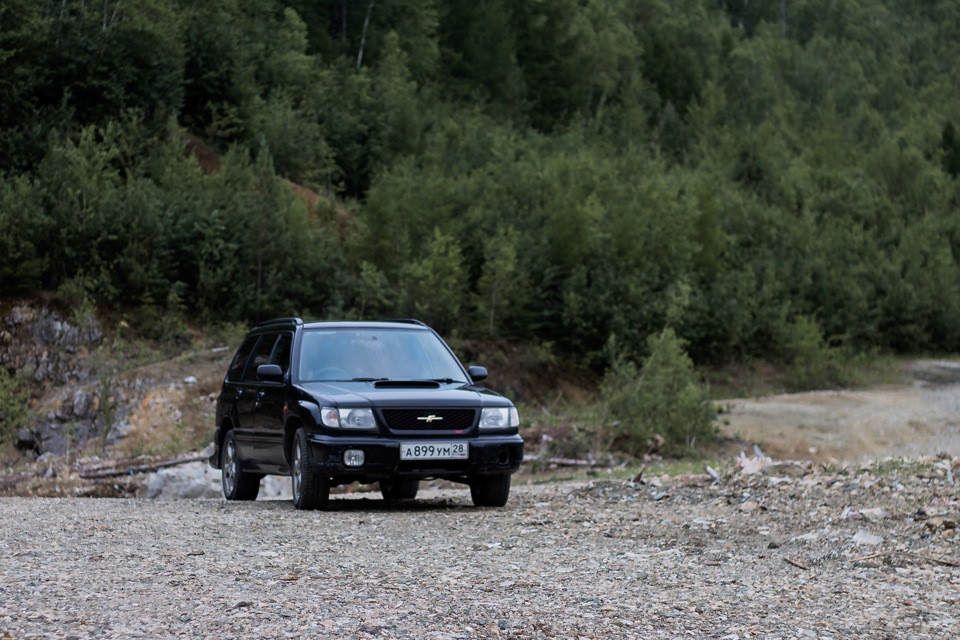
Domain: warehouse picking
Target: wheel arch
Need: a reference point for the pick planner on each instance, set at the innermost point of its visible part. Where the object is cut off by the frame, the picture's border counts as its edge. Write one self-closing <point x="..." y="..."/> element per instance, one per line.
<point x="226" y="425"/>
<point x="290" y="429"/>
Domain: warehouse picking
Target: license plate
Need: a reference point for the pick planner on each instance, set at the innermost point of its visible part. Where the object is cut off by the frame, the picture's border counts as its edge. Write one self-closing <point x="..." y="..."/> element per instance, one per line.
<point x="434" y="450"/>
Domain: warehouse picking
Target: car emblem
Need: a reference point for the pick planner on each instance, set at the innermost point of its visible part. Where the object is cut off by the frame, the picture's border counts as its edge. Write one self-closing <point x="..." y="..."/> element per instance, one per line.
<point x="430" y="418"/>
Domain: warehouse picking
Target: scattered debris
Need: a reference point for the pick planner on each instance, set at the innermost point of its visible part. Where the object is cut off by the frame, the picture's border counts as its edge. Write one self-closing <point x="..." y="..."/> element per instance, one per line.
<point x="713" y="474"/>
<point x="849" y="513"/>
<point x="748" y="506"/>
<point x="874" y="514"/>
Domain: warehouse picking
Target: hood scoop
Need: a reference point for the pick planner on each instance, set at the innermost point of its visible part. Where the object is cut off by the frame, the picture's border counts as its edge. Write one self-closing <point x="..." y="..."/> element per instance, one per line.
<point x="406" y="384"/>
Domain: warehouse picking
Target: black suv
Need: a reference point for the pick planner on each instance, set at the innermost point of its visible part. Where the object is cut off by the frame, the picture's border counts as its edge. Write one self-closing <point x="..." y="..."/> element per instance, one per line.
<point x="329" y="403"/>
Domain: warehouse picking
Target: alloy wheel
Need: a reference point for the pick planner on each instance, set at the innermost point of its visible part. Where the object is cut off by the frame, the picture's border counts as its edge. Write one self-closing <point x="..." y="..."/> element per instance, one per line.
<point x="297" y="472"/>
<point x="230" y="467"/>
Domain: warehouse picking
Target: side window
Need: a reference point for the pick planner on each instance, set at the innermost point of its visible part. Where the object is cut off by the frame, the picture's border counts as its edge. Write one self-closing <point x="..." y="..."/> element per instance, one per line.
<point x="261" y="355"/>
<point x="240" y="359"/>
<point x="281" y="352"/>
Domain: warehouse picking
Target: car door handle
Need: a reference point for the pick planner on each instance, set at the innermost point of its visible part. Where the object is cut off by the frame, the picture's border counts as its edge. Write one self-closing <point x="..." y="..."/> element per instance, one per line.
<point x="260" y="394"/>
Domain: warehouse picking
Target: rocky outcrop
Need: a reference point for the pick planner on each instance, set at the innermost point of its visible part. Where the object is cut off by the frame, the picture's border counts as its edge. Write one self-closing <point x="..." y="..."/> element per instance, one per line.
<point x="47" y="353"/>
<point x="43" y="347"/>
<point x="92" y="394"/>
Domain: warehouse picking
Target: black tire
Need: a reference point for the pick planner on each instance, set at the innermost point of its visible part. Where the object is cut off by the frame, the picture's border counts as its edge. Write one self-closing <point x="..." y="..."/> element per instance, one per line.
<point x="309" y="490"/>
<point x="490" y="491"/>
<point x="237" y="484"/>
<point x="399" y="489"/>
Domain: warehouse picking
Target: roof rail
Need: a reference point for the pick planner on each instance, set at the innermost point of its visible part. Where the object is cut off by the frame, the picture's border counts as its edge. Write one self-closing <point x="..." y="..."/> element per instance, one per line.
<point x="280" y="321"/>
<point x="408" y="321"/>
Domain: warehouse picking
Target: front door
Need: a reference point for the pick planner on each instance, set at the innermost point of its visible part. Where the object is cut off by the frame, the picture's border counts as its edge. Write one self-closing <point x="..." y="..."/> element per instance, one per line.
<point x="268" y="422"/>
<point x="250" y="393"/>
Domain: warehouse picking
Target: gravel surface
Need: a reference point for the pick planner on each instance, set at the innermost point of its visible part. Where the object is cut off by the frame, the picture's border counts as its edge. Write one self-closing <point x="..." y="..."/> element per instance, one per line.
<point x="786" y="552"/>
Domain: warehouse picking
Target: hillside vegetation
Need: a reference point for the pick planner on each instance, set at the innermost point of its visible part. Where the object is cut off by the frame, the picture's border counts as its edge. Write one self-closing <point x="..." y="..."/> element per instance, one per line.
<point x="771" y="180"/>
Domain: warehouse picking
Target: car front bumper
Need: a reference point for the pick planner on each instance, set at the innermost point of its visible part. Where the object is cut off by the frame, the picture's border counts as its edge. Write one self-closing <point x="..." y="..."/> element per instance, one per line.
<point x="488" y="455"/>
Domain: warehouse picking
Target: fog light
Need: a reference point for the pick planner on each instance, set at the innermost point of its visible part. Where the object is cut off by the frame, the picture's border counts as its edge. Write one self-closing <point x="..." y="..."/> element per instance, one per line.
<point x="353" y="457"/>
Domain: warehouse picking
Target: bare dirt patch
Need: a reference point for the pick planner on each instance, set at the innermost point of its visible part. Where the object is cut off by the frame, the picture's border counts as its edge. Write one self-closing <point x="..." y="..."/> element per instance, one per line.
<point x="919" y="418"/>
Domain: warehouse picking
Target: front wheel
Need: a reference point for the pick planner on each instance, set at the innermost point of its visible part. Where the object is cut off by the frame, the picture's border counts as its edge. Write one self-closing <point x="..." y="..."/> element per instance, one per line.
<point x="399" y="489"/>
<point x="490" y="491"/>
<point x="237" y="484"/>
<point x="310" y="491"/>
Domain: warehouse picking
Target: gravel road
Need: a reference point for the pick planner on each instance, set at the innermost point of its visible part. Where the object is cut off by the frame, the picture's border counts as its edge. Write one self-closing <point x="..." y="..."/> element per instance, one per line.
<point x="786" y="553"/>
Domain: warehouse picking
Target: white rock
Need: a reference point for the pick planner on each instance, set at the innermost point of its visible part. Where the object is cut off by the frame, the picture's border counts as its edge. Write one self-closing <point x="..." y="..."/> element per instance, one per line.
<point x="863" y="537"/>
<point x="189" y="481"/>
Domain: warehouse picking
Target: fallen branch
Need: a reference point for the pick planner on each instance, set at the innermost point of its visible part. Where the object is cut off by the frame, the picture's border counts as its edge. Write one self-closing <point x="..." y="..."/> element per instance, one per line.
<point x="639" y="476"/>
<point x="116" y="472"/>
<point x="945" y="563"/>
<point x="565" y="462"/>
<point x="798" y="565"/>
<point x="879" y="554"/>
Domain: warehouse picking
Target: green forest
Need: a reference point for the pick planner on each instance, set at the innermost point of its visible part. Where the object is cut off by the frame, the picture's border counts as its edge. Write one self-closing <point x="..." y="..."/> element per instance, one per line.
<point x="570" y="173"/>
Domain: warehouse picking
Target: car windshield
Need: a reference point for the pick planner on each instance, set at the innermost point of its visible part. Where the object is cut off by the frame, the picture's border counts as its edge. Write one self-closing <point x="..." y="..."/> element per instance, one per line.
<point x="371" y="354"/>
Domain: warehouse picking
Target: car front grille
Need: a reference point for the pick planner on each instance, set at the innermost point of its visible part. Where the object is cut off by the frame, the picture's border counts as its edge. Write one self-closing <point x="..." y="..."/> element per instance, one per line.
<point x="429" y="419"/>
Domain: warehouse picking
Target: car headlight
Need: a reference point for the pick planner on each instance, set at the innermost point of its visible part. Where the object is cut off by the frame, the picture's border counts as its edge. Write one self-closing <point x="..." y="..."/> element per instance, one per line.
<point x="499" y="418"/>
<point x="347" y="418"/>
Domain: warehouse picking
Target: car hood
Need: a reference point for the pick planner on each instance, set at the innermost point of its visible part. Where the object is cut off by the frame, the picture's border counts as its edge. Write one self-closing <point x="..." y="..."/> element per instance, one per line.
<point x="458" y="394"/>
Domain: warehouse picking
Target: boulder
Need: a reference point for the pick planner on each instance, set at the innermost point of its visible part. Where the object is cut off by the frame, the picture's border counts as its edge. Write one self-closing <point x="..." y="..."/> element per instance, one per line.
<point x="200" y="480"/>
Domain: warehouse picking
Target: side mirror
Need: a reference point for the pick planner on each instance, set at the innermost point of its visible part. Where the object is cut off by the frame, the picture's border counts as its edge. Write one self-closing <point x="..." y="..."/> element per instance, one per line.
<point x="477" y="373"/>
<point x="270" y="373"/>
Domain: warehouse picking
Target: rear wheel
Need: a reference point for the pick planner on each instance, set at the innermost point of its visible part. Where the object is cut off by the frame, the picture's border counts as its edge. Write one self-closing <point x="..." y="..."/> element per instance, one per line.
<point x="399" y="489"/>
<point x="490" y="491"/>
<point x="237" y="483"/>
<point x="309" y="490"/>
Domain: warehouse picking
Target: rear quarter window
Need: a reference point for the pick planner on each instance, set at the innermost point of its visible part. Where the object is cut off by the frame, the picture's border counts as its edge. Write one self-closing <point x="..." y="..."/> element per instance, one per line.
<point x="261" y="355"/>
<point x="235" y="372"/>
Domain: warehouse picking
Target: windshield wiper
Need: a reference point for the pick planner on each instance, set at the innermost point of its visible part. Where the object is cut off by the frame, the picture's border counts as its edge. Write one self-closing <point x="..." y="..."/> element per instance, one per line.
<point x="444" y="380"/>
<point x="367" y="379"/>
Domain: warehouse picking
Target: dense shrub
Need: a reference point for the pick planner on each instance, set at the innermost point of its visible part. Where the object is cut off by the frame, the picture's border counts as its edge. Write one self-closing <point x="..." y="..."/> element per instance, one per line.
<point x="812" y="363"/>
<point x="662" y="399"/>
